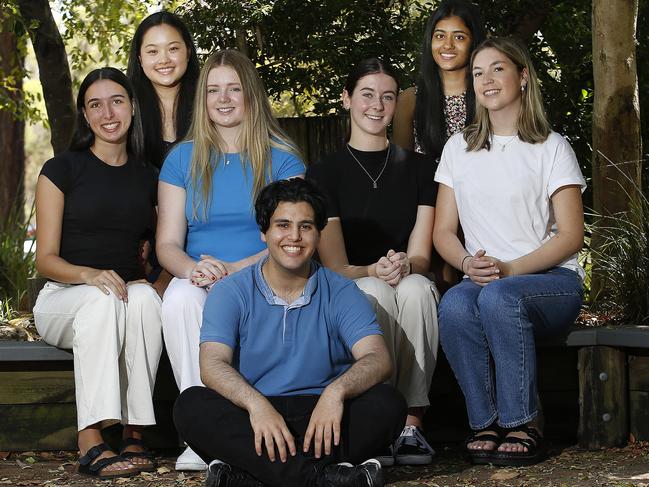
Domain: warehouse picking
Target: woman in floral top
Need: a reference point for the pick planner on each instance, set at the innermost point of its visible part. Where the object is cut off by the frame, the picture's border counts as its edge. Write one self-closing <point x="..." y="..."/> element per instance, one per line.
<point x="443" y="101"/>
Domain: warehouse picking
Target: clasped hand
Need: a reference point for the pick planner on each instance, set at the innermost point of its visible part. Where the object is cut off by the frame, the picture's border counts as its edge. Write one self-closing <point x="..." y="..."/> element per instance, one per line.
<point x="483" y="269"/>
<point x="208" y="270"/>
<point x="393" y="267"/>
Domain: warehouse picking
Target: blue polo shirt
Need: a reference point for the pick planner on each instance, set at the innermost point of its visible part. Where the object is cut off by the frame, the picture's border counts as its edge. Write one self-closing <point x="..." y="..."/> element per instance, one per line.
<point x="285" y="349"/>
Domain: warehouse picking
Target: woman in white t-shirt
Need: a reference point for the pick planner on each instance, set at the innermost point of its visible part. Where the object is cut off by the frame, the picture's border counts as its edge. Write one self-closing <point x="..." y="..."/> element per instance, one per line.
<point x="515" y="187"/>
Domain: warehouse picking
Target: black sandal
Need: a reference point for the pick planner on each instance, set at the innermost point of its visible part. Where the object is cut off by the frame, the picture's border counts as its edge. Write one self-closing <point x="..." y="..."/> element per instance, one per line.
<point x="87" y="465"/>
<point x="150" y="466"/>
<point x="482" y="457"/>
<point x="534" y="444"/>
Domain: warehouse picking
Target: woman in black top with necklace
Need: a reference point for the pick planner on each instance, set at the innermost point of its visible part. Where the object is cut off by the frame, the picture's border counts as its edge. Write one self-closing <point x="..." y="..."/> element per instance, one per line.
<point x="381" y="211"/>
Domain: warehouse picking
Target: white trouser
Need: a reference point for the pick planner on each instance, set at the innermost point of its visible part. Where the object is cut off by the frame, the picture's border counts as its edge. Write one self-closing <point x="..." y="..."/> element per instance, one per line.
<point x="407" y="314"/>
<point x="116" y="348"/>
<point x="182" y="316"/>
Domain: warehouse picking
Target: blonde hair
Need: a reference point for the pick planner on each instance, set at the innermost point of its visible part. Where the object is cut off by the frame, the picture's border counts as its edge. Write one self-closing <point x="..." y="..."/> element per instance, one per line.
<point x="259" y="130"/>
<point x="533" y="125"/>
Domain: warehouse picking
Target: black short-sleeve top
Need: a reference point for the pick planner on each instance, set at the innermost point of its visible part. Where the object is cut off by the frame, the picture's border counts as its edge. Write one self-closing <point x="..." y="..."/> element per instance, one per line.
<point x="375" y="220"/>
<point x="106" y="212"/>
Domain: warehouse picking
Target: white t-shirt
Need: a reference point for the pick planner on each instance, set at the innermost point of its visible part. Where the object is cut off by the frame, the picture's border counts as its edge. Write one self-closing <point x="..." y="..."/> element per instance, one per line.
<point x="503" y="196"/>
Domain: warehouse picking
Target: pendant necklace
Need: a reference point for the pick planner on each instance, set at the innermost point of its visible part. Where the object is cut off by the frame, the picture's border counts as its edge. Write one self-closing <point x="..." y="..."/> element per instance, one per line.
<point x="385" y="164"/>
<point x="502" y="146"/>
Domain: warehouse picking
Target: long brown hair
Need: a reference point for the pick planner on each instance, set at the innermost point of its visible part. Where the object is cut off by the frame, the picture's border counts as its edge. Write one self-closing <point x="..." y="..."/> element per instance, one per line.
<point x="532" y="125"/>
<point x="259" y="131"/>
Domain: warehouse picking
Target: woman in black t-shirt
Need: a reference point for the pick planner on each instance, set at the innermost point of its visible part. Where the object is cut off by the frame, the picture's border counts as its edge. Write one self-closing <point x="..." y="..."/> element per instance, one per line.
<point x="381" y="210"/>
<point x="93" y="203"/>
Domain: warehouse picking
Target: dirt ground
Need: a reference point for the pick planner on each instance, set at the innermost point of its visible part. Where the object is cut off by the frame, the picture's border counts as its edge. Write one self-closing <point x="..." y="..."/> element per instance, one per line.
<point x="567" y="466"/>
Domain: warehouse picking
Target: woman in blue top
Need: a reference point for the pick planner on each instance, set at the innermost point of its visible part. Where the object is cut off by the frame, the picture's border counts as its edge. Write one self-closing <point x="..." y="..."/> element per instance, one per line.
<point x="208" y="184"/>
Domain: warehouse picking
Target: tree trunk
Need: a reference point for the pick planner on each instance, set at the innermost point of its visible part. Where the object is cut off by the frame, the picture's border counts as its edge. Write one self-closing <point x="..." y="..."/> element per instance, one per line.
<point x="54" y="70"/>
<point x="12" y="131"/>
<point x="617" y="143"/>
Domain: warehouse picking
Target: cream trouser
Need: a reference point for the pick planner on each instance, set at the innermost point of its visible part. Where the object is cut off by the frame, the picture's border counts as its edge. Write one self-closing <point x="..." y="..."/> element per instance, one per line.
<point x="116" y="348"/>
<point x="182" y="316"/>
<point x="407" y="314"/>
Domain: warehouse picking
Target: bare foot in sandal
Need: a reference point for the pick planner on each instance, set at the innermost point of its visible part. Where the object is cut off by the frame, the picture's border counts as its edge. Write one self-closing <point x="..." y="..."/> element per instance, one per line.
<point x="134" y="450"/>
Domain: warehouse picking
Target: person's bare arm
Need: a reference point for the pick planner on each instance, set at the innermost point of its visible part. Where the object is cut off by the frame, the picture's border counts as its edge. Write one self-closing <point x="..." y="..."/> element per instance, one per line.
<point x="403" y="121"/>
<point x="569" y="239"/>
<point x="268" y="425"/>
<point x="50" y="201"/>
<point x="448" y="244"/>
<point x="333" y="255"/>
<point x="372" y="365"/>
<point x="171" y="231"/>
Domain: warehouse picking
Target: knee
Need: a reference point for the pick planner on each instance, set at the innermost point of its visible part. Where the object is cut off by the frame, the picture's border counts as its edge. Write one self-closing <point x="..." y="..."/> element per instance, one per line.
<point x="497" y="296"/>
<point x="143" y="294"/>
<point x="377" y="290"/>
<point x="415" y="289"/>
<point x="182" y="295"/>
<point x="455" y="308"/>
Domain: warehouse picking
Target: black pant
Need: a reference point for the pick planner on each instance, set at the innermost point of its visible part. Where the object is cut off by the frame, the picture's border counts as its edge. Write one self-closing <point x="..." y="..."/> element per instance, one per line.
<point x="215" y="428"/>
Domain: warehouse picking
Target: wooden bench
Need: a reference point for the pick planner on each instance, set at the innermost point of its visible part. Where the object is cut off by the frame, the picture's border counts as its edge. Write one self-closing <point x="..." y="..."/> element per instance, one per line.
<point x="37" y="403"/>
<point x="594" y="385"/>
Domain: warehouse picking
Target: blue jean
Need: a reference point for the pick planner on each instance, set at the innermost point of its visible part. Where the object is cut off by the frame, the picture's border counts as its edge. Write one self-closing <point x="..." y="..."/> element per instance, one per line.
<point x="488" y="335"/>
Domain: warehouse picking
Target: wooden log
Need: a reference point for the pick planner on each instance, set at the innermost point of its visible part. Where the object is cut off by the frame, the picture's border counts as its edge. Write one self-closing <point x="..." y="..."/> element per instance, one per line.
<point x="639" y="415"/>
<point x="37" y="387"/>
<point x="603" y="401"/>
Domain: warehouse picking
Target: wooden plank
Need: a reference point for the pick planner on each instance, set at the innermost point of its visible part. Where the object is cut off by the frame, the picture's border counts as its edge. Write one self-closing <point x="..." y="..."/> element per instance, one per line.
<point x="638" y="373"/>
<point x="15" y="351"/>
<point x="38" y="427"/>
<point x="37" y="387"/>
<point x="603" y="403"/>
<point x="639" y="414"/>
<point x="54" y="427"/>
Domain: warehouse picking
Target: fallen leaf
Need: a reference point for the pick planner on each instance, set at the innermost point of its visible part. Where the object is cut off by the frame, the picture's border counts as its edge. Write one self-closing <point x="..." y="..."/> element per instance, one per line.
<point x="162" y="470"/>
<point x="4" y="455"/>
<point x="505" y="475"/>
<point x="122" y="480"/>
<point x="23" y="465"/>
<point x="31" y="460"/>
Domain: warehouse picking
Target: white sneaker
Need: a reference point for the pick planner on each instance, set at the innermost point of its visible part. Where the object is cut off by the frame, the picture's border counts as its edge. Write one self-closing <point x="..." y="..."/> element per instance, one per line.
<point x="190" y="461"/>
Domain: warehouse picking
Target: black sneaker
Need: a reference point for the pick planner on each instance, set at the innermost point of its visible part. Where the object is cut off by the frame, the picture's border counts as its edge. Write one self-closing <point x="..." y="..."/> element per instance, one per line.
<point x="411" y="448"/>
<point x="221" y="474"/>
<point x="386" y="457"/>
<point x="367" y="474"/>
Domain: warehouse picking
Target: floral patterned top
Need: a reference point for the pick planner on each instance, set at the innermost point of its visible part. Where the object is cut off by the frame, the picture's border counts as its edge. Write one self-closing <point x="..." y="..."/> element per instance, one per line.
<point x="455" y="114"/>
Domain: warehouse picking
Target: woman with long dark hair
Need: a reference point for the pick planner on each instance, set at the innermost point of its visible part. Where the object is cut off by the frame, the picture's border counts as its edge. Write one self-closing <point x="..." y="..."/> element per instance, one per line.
<point x="443" y="102"/>
<point x="380" y="218"/>
<point x="515" y="187"/>
<point x="163" y="67"/>
<point x="93" y="204"/>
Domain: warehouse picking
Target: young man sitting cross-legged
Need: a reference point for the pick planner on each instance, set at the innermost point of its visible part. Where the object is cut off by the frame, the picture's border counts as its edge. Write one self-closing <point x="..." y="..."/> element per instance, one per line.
<point x="293" y="361"/>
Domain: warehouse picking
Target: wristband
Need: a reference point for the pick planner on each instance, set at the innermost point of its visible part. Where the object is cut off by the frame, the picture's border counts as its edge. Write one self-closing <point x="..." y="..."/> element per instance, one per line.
<point x="462" y="264"/>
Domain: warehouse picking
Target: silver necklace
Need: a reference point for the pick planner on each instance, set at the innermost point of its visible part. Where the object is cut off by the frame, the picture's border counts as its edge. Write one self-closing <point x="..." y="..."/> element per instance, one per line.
<point x="385" y="164"/>
<point x="502" y="146"/>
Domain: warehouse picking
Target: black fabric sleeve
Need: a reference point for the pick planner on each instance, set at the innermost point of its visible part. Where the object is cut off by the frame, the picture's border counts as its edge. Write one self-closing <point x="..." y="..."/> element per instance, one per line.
<point x="57" y="170"/>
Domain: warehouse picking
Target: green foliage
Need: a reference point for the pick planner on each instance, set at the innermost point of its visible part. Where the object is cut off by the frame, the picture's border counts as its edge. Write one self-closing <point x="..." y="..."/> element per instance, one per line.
<point x="305" y="48"/>
<point x="622" y="259"/>
<point x="16" y="265"/>
<point x="22" y="104"/>
<point x="99" y="33"/>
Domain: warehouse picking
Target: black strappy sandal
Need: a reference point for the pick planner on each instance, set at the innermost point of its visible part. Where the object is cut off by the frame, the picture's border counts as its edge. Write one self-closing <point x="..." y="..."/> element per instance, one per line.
<point x="493" y="433"/>
<point x="534" y="444"/>
<point x="87" y="465"/>
<point x="150" y="466"/>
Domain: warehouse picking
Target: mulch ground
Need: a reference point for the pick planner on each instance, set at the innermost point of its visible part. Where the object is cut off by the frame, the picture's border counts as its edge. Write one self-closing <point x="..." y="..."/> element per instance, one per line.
<point x="567" y="466"/>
